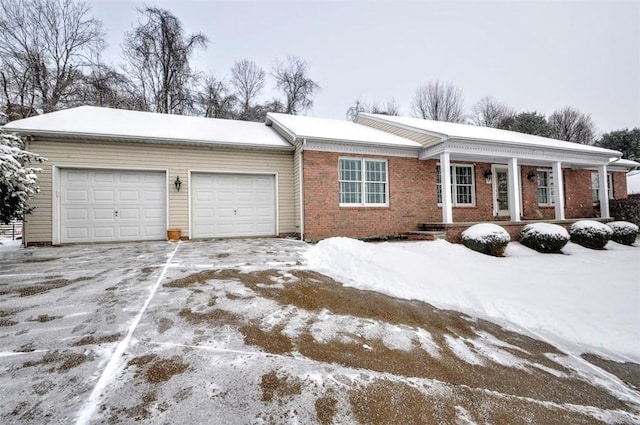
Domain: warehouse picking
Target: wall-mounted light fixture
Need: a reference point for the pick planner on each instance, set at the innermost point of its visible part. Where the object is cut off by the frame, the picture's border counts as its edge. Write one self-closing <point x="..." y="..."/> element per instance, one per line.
<point x="177" y="183"/>
<point x="531" y="176"/>
<point x="488" y="174"/>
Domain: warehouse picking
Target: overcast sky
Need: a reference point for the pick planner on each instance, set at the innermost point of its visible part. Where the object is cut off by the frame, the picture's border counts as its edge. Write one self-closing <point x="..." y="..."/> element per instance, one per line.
<point x="538" y="56"/>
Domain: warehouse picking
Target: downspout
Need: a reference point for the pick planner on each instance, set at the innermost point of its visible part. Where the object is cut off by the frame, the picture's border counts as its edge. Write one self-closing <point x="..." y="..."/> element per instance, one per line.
<point x="300" y="186"/>
<point x="27" y="147"/>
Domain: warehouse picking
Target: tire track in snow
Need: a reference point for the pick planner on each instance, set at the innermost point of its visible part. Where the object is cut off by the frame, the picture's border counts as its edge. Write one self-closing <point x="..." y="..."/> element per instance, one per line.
<point x="91" y="404"/>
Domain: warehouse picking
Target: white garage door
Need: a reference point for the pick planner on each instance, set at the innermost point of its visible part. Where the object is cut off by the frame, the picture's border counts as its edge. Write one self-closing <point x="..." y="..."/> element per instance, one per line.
<point x="112" y="205"/>
<point x="231" y="205"/>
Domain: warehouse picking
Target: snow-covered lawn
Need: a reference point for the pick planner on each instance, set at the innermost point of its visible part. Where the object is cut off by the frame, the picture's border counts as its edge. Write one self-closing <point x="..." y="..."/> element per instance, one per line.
<point x="582" y="301"/>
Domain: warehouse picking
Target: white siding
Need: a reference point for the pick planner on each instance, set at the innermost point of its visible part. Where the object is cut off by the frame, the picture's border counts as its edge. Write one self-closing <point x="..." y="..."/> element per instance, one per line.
<point x="424" y="139"/>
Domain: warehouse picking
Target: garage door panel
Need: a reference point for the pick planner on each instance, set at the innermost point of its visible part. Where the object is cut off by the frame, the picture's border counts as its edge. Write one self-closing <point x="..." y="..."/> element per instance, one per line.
<point x="264" y="212"/>
<point x="231" y="207"/>
<point x="77" y="176"/>
<point x="128" y="195"/>
<point x="129" y="214"/>
<point x="129" y="232"/>
<point x="81" y="233"/>
<point x="112" y="205"/>
<point x="246" y="196"/>
<point x="223" y="212"/>
<point x="153" y="195"/>
<point x="151" y="231"/>
<point x="223" y="196"/>
<point x="103" y="177"/>
<point x="151" y="213"/>
<point x="104" y="233"/>
<point x="75" y="214"/>
<point x="77" y="195"/>
<point x="102" y="214"/>
<point x="130" y="178"/>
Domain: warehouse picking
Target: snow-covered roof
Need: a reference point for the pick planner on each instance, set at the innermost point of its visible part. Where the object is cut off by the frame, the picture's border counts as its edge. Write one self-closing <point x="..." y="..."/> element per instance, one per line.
<point x="625" y="163"/>
<point x="448" y="130"/>
<point x="92" y="122"/>
<point x="337" y="130"/>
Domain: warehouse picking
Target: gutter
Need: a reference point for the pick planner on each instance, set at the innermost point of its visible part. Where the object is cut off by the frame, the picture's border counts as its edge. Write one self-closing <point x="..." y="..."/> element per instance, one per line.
<point x="154" y="140"/>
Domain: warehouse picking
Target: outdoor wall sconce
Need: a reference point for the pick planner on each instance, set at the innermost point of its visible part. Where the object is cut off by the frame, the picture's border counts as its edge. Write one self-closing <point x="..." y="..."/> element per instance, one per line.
<point x="488" y="174"/>
<point x="177" y="183"/>
<point x="531" y="176"/>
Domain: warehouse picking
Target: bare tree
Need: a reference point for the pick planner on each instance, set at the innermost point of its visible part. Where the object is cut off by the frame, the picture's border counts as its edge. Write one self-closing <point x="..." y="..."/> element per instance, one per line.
<point x="572" y="125"/>
<point x="438" y="101"/>
<point x="157" y="54"/>
<point x="358" y="106"/>
<point x="105" y="86"/>
<point x="389" y="107"/>
<point x="298" y="89"/>
<point x="488" y="112"/>
<point x="215" y="100"/>
<point x="44" y="47"/>
<point x="248" y="79"/>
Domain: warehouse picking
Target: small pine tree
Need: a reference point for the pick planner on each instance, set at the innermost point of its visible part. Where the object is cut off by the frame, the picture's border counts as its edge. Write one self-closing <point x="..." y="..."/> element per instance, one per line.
<point x="18" y="183"/>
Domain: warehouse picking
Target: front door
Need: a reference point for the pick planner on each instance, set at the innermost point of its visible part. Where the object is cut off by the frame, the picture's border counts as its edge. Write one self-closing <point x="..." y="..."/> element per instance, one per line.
<point x="500" y="191"/>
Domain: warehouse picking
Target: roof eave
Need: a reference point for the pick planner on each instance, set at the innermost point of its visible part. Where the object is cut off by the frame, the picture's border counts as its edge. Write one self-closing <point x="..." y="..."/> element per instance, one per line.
<point x="151" y="140"/>
<point x="417" y="147"/>
<point x="605" y="153"/>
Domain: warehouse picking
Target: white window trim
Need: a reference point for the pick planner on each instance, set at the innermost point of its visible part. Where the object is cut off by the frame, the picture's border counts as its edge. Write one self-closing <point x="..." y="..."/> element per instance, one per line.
<point x="549" y="187"/>
<point x="609" y="186"/>
<point x="454" y="197"/>
<point x="363" y="183"/>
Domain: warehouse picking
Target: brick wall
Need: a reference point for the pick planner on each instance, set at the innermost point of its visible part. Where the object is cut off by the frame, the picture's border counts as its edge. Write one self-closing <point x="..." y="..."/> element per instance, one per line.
<point x="413" y="199"/>
<point x="412" y="188"/>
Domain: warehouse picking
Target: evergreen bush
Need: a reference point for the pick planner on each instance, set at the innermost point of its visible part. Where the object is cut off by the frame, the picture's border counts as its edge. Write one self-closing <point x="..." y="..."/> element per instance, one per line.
<point x="486" y="238"/>
<point x="623" y="232"/>
<point x="590" y="234"/>
<point x="544" y="237"/>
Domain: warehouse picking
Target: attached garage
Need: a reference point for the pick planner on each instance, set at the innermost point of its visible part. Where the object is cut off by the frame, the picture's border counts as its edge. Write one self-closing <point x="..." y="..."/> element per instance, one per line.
<point x="233" y="205"/>
<point x="112" y="205"/>
<point x="115" y="175"/>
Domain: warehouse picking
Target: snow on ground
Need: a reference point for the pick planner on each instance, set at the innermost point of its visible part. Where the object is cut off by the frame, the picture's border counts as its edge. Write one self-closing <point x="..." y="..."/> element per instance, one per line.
<point x="243" y="332"/>
<point x="7" y="244"/>
<point x="583" y="301"/>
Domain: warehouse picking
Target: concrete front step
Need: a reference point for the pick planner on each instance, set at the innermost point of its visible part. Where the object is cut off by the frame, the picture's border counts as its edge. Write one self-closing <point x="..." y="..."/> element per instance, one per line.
<point x="426" y="235"/>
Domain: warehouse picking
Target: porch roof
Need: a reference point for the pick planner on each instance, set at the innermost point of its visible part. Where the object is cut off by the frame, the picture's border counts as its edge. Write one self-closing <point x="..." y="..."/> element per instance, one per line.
<point x="470" y="141"/>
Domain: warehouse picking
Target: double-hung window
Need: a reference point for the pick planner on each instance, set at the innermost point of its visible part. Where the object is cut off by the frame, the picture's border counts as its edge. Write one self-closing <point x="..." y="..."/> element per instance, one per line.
<point x="595" y="187"/>
<point x="363" y="182"/>
<point x="462" y="185"/>
<point x="545" y="187"/>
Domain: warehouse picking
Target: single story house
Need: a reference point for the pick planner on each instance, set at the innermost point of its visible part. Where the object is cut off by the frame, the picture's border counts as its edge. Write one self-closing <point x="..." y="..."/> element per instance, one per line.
<point x="117" y="175"/>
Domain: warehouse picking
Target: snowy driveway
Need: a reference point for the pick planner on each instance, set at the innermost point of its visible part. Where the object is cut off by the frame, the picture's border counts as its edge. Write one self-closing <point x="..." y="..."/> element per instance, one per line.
<point x="241" y="331"/>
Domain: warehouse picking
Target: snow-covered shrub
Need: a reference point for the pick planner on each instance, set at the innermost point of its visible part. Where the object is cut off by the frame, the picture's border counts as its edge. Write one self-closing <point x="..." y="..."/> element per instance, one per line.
<point x="623" y="232"/>
<point x="590" y="234"/>
<point x="18" y="181"/>
<point x="544" y="237"/>
<point x="487" y="238"/>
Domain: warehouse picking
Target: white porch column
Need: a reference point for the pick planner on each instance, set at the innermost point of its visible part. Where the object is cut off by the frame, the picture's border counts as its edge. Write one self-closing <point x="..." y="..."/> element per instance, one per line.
<point x="603" y="183"/>
<point x="558" y="190"/>
<point x="445" y="171"/>
<point x="514" y="190"/>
